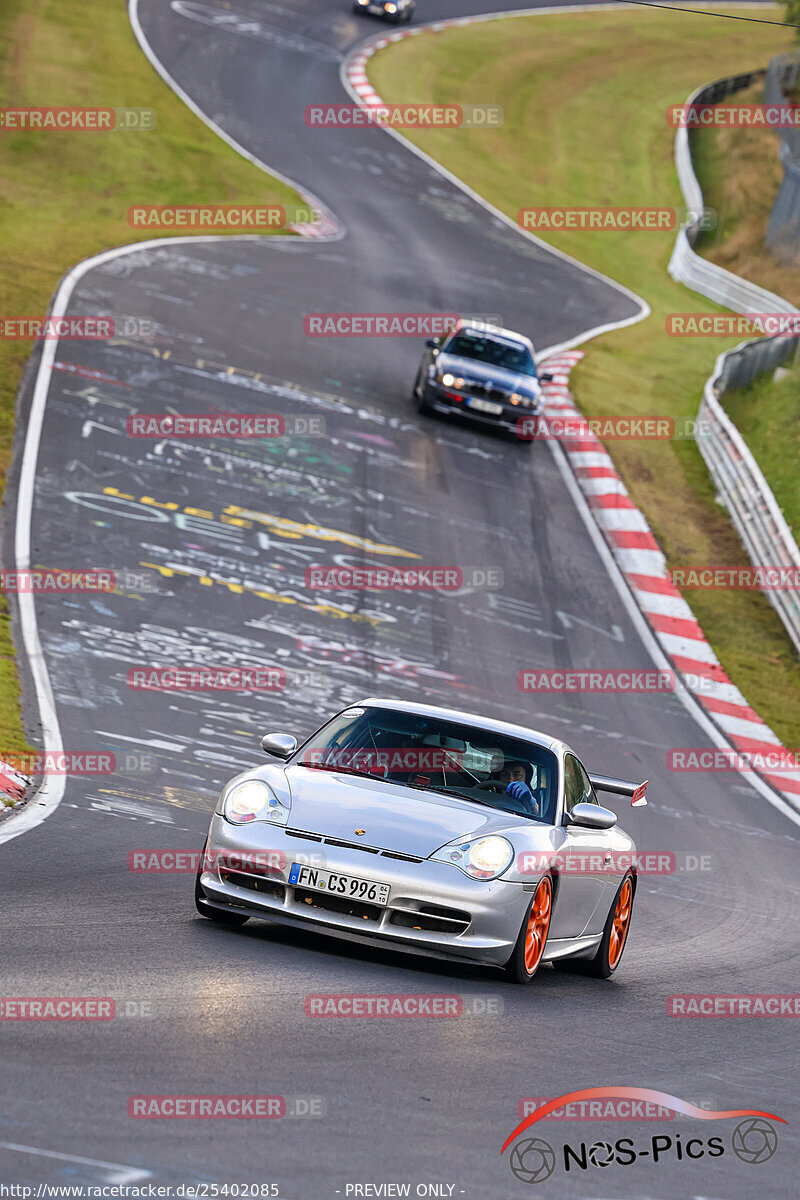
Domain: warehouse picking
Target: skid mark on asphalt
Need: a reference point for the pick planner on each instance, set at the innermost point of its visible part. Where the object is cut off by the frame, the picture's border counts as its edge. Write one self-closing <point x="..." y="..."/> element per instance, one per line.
<point x="234" y="23"/>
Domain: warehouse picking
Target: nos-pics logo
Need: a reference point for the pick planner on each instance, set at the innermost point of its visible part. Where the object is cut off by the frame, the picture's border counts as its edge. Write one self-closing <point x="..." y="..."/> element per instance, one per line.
<point x="754" y="1139"/>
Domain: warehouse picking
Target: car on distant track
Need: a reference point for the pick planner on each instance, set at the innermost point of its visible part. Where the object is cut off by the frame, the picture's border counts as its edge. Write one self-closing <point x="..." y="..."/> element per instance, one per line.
<point x="485" y="374"/>
<point x="392" y="10"/>
<point x="431" y="831"/>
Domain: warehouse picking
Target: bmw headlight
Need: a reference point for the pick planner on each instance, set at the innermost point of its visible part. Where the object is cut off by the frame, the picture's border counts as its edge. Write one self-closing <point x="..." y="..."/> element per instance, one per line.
<point x="450" y="380"/>
<point x="484" y="858"/>
<point x="253" y="801"/>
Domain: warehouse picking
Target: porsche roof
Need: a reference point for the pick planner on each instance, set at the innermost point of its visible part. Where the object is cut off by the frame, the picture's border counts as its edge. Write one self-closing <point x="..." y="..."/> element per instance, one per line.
<point x="454" y="714"/>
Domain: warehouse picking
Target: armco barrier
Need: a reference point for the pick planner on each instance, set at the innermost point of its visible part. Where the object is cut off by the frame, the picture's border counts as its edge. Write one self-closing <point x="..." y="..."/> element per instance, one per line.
<point x="736" y="474"/>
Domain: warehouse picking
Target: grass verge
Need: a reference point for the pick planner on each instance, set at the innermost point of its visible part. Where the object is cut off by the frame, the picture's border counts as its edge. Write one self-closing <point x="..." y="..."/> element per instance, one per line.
<point x="767" y="414"/>
<point x="585" y="99"/>
<point x="740" y="172"/>
<point x="65" y="196"/>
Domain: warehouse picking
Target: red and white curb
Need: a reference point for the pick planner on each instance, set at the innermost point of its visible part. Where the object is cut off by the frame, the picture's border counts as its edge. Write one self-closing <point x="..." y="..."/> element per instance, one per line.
<point x="643" y="565"/>
<point x="13" y="785"/>
<point x="324" y="226"/>
<point x="356" y="66"/>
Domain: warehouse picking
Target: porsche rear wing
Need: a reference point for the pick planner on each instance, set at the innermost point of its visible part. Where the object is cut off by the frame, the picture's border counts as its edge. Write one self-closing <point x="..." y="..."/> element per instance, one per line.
<point x="620" y="787"/>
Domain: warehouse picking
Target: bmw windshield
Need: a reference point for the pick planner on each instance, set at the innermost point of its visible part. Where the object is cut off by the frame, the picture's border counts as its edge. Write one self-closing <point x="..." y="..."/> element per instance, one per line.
<point x="494" y="351"/>
<point x="431" y="754"/>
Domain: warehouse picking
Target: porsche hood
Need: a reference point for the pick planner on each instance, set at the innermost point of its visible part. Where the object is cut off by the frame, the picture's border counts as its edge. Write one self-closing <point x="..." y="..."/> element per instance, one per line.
<point x="395" y="818"/>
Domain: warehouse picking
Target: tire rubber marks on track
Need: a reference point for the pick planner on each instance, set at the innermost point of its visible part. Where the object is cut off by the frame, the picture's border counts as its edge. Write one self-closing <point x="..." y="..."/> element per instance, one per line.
<point x="644" y="567"/>
<point x="229" y="22"/>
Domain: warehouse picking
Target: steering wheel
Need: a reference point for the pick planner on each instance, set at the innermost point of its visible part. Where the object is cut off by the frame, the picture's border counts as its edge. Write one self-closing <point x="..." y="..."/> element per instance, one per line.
<point x="493" y="785"/>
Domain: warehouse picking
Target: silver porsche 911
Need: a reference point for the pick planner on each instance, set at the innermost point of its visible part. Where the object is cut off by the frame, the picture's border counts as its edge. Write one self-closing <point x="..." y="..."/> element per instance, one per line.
<point x="432" y="831"/>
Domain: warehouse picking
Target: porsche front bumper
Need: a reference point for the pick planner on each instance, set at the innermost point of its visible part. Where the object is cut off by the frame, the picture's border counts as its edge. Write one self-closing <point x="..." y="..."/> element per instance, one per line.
<point x="433" y="907"/>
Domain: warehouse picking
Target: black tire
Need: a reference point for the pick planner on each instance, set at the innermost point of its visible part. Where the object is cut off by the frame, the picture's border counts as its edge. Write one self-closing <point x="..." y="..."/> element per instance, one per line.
<point x="218" y="915"/>
<point x="601" y="966"/>
<point x="420" y="403"/>
<point x="520" y="967"/>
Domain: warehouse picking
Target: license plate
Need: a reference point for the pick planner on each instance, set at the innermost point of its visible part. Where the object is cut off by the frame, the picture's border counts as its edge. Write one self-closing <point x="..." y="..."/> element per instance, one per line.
<point x="485" y="406"/>
<point x="347" y="886"/>
<point x="375" y="8"/>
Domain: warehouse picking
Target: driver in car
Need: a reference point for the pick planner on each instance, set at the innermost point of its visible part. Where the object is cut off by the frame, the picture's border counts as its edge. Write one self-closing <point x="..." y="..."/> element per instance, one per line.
<point x="516" y="775"/>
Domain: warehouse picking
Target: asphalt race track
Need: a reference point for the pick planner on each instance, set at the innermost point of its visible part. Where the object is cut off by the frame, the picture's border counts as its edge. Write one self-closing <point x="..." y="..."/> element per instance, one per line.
<point x="223" y="534"/>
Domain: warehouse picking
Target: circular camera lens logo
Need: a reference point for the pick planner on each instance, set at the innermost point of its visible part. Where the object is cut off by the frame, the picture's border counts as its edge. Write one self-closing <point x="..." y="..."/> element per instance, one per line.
<point x="533" y="1160"/>
<point x="754" y="1140"/>
<point x="601" y="1154"/>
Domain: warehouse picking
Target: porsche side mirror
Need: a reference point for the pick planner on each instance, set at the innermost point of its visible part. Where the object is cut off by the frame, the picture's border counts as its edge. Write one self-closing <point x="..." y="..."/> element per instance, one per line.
<point x="280" y="745"/>
<point x="592" y="816"/>
<point x="432" y="343"/>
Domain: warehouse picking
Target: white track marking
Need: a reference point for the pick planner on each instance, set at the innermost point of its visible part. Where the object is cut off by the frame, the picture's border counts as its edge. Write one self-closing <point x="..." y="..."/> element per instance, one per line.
<point x="120" y="1173"/>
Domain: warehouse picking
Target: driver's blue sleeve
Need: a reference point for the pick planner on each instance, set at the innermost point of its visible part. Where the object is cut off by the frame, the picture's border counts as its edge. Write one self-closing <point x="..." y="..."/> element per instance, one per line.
<point x="521" y="792"/>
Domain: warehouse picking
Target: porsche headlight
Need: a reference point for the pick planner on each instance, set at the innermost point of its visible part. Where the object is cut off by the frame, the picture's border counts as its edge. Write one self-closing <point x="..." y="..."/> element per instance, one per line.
<point x="253" y="801"/>
<point x="484" y="858"/>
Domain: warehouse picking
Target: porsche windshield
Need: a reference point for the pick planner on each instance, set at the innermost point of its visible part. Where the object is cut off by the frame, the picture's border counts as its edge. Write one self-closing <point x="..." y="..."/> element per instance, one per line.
<point x="436" y="755"/>
<point x="494" y="351"/>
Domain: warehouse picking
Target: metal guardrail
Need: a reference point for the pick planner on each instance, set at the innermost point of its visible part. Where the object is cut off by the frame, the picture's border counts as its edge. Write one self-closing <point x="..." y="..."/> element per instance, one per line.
<point x="754" y="511"/>
<point x="741" y="485"/>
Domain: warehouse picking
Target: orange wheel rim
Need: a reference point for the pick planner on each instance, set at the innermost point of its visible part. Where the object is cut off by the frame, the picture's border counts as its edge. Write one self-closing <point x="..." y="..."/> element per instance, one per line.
<point x="538" y="925"/>
<point x="619" y="925"/>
